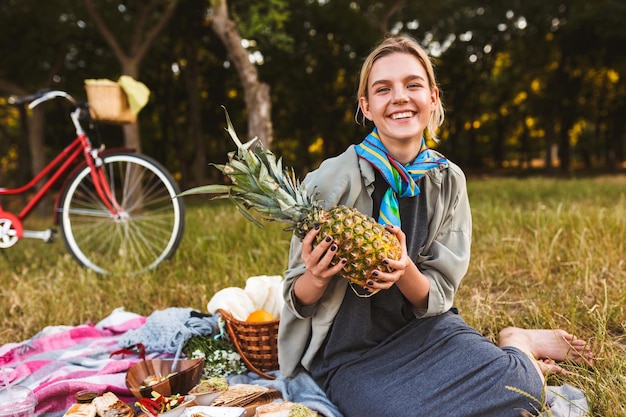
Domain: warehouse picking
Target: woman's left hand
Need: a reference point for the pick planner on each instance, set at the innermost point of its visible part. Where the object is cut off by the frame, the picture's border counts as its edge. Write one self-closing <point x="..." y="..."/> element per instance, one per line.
<point x="384" y="280"/>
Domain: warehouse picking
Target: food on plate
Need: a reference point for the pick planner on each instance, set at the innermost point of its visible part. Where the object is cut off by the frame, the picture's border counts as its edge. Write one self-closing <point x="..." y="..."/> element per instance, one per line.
<point x="239" y="395"/>
<point x="213" y="384"/>
<point x="154" y="379"/>
<point x="260" y="182"/>
<point x="109" y="405"/>
<point x="284" y="409"/>
<point x="81" y="410"/>
<point x="160" y="404"/>
<point x="258" y="316"/>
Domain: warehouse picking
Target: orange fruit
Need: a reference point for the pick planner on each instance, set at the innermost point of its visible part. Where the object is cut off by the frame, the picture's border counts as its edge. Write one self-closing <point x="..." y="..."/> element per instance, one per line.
<point x="260" y="316"/>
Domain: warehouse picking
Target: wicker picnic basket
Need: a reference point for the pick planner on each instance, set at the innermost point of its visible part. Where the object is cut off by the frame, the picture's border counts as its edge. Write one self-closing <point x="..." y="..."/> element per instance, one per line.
<point x="108" y="102"/>
<point x="256" y="343"/>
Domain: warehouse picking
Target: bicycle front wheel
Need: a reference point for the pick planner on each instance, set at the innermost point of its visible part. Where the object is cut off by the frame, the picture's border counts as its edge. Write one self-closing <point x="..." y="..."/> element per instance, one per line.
<point x="146" y="231"/>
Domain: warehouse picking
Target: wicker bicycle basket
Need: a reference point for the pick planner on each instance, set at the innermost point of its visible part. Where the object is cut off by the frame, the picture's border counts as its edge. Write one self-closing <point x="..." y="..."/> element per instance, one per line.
<point x="108" y="102"/>
<point x="256" y="343"/>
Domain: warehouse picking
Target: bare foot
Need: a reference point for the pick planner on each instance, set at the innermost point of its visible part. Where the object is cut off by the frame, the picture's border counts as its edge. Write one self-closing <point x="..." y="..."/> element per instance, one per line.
<point x="548" y="366"/>
<point x="555" y="345"/>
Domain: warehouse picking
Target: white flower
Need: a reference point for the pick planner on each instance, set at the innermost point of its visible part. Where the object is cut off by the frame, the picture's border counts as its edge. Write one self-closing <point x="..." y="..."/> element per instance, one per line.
<point x="220" y="363"/>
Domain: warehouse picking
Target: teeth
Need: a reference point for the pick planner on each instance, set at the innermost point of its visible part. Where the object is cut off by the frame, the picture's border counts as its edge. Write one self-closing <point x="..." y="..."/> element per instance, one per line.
<point x="401" y="115"/>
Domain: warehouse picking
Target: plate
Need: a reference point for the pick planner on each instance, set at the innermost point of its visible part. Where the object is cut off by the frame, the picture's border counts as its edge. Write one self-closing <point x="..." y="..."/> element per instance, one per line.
<point x="206" y="398"/>
<point x="210" y="411"/>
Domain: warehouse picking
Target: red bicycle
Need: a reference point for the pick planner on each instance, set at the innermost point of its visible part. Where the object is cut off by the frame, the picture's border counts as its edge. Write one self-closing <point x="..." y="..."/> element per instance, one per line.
<point x="117" y="209"/>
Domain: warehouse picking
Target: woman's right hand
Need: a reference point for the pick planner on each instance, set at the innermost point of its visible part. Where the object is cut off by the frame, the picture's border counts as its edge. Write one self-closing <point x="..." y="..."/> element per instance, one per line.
<point x="310" y="286"/>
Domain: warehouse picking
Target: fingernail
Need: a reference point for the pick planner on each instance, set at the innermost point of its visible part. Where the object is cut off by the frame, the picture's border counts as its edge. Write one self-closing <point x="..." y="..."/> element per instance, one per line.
<point x="375" y="273"/>
<point x="317" y="227"/>
<point x="344" y="261"/>
<point x="328" y="238"/>
<point x="370" y="282"/>
<point x="333" y="247"/>
<point x="385" y="262"/>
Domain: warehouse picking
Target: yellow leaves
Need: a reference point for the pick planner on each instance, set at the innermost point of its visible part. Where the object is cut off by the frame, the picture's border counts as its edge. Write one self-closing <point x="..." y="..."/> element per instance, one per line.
<point x="317" y="147"/>
<point x="535" y="85"/>
<point x="503" y="61"/>
<point x="520" y="97"/>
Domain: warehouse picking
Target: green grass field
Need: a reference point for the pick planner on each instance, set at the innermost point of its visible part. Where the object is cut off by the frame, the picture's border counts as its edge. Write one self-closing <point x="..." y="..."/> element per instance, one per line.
<point x="546" y="253"/>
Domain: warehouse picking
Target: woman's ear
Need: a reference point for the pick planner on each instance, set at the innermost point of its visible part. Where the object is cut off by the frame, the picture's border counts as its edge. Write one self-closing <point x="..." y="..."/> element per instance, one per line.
<point x="365" y="108"/>
<point x="434" y="98"/>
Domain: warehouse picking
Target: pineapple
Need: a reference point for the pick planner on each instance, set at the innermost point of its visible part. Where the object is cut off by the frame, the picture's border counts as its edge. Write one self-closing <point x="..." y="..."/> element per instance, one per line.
<point x="260" y="183"/>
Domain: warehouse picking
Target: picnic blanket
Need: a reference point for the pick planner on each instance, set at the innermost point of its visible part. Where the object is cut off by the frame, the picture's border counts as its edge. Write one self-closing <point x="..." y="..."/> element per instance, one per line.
<point x="61" y="360"/>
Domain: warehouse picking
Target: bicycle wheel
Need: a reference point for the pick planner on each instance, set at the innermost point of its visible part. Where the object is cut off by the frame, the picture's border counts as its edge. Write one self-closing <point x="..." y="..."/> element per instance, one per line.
<point x="150" y="226"/>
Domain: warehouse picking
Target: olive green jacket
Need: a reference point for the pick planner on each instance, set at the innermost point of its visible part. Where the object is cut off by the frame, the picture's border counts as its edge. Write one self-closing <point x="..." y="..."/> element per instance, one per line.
<point x="444" y="259"/>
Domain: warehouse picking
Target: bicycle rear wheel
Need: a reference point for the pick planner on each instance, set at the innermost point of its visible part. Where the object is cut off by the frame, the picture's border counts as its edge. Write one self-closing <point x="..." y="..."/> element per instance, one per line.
<point x="147" y="232"/>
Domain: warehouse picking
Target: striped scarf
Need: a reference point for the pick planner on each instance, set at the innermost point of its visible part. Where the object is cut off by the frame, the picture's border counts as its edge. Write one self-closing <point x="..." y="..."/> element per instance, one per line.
<point x="402" y="179"/>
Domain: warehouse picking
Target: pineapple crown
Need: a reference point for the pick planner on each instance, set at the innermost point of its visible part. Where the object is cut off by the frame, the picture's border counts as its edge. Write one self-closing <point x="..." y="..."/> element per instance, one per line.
<point x="259" y="182"/>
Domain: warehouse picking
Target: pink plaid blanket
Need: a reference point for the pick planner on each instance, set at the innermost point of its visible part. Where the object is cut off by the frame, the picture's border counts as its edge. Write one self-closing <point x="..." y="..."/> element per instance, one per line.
<point x="60" y="361"/>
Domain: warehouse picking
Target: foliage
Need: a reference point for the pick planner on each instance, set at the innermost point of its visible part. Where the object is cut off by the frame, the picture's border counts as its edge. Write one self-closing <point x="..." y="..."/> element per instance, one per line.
<point x="521" y="83"/>
<point x="263" y="22"/>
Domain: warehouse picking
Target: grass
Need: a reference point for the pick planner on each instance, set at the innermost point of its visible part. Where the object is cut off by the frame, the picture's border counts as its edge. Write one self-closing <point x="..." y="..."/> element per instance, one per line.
<point x="547" y="253"/>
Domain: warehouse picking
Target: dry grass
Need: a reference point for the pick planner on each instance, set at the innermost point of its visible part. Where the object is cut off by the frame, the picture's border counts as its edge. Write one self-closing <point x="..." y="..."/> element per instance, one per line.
<point x="550" y="254"/>
<point x="546" y="253"/>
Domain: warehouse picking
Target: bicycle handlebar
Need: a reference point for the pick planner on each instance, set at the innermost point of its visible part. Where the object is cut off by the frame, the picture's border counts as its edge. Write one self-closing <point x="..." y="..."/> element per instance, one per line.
<point x="39" y="97"/>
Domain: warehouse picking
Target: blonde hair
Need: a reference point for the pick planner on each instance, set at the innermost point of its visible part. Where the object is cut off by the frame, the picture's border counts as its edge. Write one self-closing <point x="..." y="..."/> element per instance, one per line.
<point x="407" y="45"/>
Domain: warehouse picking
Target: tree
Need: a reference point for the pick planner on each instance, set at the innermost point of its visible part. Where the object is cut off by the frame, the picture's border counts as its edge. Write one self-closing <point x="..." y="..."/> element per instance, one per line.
<point x="257" y="93"/>
<point x="150" y="18"/>
<point x="26" y="69"/>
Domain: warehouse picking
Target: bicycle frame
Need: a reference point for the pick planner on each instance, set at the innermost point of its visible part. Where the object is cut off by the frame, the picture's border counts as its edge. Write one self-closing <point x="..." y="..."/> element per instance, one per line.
<point x="59" y="167"/>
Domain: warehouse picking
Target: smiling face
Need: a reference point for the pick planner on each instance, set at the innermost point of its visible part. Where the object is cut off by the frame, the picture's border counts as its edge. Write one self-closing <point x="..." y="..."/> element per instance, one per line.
<point x="399" y="101"/>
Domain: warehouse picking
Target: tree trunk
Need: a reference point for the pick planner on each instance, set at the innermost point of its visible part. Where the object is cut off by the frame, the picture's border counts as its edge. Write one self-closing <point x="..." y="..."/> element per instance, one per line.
<point x="144" y="35"/>
<point x="132" y="138"/>
<point x="191" y="76"/>
<point x="257" y="94"/>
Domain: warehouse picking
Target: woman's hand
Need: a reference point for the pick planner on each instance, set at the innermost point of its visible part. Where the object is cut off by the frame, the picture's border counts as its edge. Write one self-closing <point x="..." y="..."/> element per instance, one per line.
<point x="384" y="280"/>
<point x="310" y="286"/>
<point x="318" y="260"/>
<point x="412" y="283"/>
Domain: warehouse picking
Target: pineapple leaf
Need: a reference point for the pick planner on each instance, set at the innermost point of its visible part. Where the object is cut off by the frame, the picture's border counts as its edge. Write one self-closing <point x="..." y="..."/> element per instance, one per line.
<point x="231" y="131"/>
<point x="258" y="200"/>
<point x="247" y="214"/>
<point x="238" y="166"/>
<point x="207" y="189"/>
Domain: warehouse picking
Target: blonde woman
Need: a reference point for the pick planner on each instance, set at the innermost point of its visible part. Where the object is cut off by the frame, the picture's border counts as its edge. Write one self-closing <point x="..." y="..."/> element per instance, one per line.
<point x="397" y="346"/>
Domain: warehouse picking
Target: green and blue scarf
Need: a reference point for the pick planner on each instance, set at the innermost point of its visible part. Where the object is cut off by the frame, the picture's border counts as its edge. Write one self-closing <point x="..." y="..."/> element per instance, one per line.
<point x="402" y="179"/>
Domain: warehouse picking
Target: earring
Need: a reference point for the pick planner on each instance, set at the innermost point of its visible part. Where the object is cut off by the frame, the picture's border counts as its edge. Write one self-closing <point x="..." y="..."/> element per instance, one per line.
<point x="356" y="115"/>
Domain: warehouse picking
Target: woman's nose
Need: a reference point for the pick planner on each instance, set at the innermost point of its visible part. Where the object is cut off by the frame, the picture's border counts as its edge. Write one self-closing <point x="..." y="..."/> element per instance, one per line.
<point x="399" y="95"/>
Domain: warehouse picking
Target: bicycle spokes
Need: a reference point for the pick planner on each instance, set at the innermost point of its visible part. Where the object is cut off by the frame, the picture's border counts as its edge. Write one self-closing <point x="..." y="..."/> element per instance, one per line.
<point x="146" y="227"/>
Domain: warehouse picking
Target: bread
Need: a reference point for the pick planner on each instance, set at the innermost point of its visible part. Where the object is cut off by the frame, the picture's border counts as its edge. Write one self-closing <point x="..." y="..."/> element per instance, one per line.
<point x="284" y="409"/>
<point x="81" y="410"/>
<point x="108" y="405"/>
<point x="104" y="401"/>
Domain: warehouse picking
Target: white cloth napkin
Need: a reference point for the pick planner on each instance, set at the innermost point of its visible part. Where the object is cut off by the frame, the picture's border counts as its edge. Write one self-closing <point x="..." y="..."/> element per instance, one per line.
<point x="262" y="292"/>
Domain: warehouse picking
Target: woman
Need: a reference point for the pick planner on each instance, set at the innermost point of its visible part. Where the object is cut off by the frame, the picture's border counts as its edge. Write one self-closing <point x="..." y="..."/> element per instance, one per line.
<point x="397" y="347"/>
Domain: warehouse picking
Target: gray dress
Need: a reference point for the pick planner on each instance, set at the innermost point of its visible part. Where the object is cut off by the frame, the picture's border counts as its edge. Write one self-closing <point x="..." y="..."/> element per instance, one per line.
<point x="379" y="360"/>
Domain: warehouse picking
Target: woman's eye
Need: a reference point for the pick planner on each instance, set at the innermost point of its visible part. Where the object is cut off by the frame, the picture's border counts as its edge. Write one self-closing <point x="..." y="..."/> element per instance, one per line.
<point x="413" y="86"/>
<point x="382" y="89"/>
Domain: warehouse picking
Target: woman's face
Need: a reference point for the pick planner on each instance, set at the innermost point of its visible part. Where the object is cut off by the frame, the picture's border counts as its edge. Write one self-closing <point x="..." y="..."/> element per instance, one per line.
<point x="400" y="99"/>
